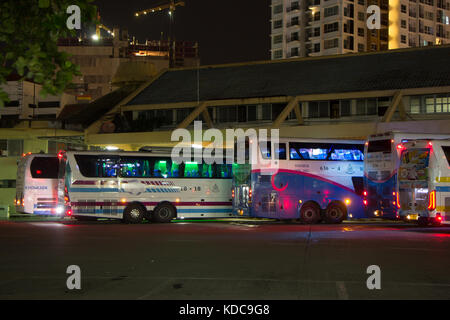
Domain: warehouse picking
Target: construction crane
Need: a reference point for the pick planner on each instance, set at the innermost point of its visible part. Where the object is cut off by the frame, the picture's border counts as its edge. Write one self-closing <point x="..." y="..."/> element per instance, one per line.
<point x="171" y="6"/>
<point x="101" y="26"/>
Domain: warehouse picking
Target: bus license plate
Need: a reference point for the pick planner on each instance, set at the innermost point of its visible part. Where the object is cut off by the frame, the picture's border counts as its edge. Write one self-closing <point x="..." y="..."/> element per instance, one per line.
<point x="413" y="216"/>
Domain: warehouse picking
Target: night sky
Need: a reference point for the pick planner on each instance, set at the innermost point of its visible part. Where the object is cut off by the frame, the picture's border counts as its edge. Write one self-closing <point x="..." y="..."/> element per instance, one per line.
<point x="227" y="30"/>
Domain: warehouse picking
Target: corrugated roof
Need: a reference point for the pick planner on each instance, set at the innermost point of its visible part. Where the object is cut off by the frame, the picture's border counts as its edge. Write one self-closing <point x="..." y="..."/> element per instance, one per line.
<point x="86" y="114"/>
<point x="399" y="69"/>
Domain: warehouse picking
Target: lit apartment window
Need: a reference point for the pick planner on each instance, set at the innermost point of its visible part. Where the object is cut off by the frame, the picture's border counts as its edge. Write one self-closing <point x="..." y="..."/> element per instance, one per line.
<point x="442" y="103"/>
<point x="429" y="104"/>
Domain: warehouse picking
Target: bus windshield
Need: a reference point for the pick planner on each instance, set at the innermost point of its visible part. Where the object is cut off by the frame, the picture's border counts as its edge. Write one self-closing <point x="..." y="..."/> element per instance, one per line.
<point x="44" y="168"/>
<point x="414" y="165"/>
<point x="447" y="153"/>
<point x="384" y="146"/>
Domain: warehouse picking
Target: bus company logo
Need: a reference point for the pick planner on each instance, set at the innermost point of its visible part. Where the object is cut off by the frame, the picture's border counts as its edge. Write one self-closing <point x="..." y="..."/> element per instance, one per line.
<point x="188" y="148"/>
<point x="35" y="187"/>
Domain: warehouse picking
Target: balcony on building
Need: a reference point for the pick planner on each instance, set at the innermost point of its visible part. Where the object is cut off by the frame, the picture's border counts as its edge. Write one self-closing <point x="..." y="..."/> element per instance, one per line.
<point x="295" y="22"/>
<point x="295" y="7"/>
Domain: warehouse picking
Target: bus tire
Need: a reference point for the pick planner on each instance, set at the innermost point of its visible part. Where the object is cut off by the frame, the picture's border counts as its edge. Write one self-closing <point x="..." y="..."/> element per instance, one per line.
<point x="310" y="213"/>
<point x="164" y="213"/>
<point x="335" y="213"/>
<point x="133" y="213"/>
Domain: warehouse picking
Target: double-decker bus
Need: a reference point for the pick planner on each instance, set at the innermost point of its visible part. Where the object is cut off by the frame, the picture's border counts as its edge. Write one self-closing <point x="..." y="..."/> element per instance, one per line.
<point x="135" y="185"/>
<point x="36" y="184"/>
<point x="309" y="179"/>
<point x="424" y="182"/>
<point x="382" y="158"/>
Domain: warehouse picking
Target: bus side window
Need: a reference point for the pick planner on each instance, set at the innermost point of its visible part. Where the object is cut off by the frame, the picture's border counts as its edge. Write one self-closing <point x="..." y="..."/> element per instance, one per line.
<point x="191" y="170"/>
<point x="280" y="151"/>
<point x="174" y="170"/>
<point x="207" y="170"/>
<point x="160" y="169"/>
<point x="266" y="147"/>
<point x="222" y="171"/>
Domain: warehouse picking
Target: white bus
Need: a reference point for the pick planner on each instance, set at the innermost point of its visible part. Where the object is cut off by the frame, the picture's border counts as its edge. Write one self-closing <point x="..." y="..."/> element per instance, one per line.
<point x="424" y="182"/>
<point x="36" y="184"/>
<point x="135" y="185"/>
<point x="381" y="161"/>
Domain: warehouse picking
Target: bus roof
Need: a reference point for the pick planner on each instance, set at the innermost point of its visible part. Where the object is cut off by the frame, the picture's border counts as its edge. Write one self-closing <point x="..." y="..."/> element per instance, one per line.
<point x="340" y="141"/>
<point x="408" y="135"/>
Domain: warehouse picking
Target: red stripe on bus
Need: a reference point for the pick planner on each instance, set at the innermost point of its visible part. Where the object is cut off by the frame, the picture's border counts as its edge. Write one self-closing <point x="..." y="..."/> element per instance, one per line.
<point x="118" y="203"/>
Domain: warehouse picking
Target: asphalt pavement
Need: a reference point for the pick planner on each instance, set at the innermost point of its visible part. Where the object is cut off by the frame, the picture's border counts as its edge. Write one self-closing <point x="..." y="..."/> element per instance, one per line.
<point x="222" y="260"/>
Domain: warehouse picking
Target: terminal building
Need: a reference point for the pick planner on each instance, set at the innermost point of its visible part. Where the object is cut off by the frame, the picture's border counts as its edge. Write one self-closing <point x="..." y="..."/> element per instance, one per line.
<point x="341" y="96"/>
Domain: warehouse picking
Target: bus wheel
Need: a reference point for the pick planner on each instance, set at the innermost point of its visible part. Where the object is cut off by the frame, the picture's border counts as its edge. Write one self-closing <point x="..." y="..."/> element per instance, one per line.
<point x="134" y="213"/>
<point x="163" y="213"/>
<point x="310" y="213"/>
<point x="335" y="213"/>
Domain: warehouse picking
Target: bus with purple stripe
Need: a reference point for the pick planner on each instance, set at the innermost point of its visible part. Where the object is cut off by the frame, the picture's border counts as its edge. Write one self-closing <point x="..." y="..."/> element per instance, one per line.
<point x="310" y="180"/>
<point x="382" y="159"/>
<point x="133" y="186"/>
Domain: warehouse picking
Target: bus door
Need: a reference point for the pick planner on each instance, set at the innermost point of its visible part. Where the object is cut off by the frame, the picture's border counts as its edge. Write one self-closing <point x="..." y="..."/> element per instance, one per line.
<point x="242" y="192"/>
<point x="379" y="180"/>
<point x="413" y="183"/>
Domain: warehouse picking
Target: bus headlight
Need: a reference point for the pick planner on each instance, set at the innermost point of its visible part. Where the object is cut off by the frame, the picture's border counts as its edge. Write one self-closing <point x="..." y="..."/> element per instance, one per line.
<point x="59" y="210"/>
<point x="347" y="202"/>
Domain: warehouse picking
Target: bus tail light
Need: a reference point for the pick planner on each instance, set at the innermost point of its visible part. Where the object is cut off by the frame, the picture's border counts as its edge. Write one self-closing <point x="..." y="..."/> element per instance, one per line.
<point x="365" y="193"/>
<point x="250" y="193"/>
<point x="398" y="200"/>
<point x="365" y="202"/>
<point x="432" y="200"/>
<point x="232" y="193"/>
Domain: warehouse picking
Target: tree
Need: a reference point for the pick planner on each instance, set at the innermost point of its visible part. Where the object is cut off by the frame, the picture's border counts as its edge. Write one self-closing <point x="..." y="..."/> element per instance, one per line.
<point x="29" y="32"/>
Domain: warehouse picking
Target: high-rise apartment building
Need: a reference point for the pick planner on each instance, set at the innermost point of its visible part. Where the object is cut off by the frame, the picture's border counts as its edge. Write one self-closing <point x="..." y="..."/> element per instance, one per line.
<point x="302" y="28"/>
